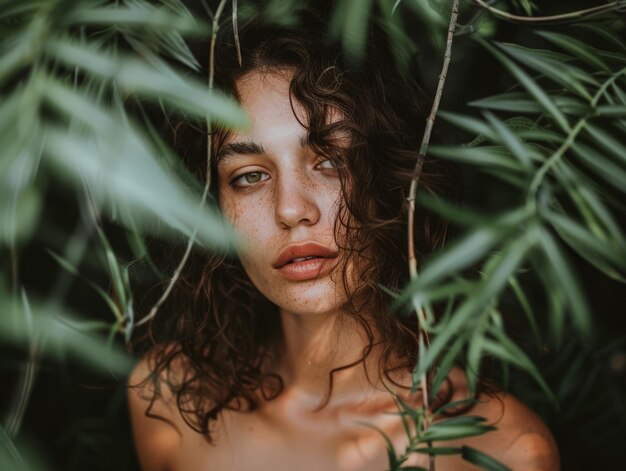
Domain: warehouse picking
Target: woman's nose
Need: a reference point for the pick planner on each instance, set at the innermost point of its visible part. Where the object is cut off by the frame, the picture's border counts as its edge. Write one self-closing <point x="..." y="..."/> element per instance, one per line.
<point x="296" y="202"/>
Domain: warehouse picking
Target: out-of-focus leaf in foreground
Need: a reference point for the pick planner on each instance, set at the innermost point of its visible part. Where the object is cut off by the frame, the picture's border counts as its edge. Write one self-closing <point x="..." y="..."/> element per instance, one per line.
<point x="58" y="333"/>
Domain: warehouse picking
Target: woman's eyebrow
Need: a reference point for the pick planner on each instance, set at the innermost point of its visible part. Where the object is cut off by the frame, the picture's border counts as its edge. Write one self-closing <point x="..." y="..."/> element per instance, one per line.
<point x="249" y="148"/>
<point x="235" y="148"/>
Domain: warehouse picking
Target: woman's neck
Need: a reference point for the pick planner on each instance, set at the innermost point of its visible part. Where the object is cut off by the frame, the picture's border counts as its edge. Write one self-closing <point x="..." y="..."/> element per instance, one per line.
<point x="316" y="344"/>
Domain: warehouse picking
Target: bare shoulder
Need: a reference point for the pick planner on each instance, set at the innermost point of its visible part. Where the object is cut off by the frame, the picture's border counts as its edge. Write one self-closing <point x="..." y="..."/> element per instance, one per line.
<point x="521" y="441"/>
<point x="155" y="420"/>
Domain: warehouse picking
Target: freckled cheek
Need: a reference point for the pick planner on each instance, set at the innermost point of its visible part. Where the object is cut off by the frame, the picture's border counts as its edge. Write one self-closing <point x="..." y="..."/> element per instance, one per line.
<point x="253" y="221"/>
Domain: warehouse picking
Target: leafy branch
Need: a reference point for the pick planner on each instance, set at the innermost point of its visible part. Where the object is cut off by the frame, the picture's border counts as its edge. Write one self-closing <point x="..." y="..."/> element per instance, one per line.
<point x="423" y="337"/>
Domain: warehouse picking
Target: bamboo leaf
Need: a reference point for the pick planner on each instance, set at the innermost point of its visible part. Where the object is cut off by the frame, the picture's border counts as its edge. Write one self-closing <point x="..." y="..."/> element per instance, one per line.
<point x="564" y="273"/>
<point x="122" y="172"/>
<point x="67" y="266"/>
<point x="525" y="304"/>
<point x="54" y="326"/>
<point x="469" y="124"/>
<point x="394" y="461"/>
<point x="157" y="81"/>
<point x="492" y="284"/>
<point x="482" y="156"/>
<point x="608" y="142"/>
<point x="506" y="350"/>
<point x="481" y="459"/>
<point x="462" y="420"/>
<point x="576" y="47"/>
<point x="520" y="102"/>
<point x="529" y="84"/>
<point x="454" y="432"/>
<point x="611" y="111"/>
<point x="446" y="364"/>
<point x="350" y="22"/>
<point x="511" y="141"/>
<point x="603" y="254"/>
<point x="138" y="16"/>
<point x="440" y="450"/>
<point x="603" y="167"/>
<point x="556" y="70"/>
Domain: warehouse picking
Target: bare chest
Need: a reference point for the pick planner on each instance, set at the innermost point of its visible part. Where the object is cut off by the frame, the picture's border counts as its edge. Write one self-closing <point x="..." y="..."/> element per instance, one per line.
<point x="254" y="442"/>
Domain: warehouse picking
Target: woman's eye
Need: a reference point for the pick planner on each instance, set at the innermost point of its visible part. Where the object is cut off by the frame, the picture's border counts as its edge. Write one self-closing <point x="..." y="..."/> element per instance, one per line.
<point x="327" y="164"/>
<point x="249" y="179"/>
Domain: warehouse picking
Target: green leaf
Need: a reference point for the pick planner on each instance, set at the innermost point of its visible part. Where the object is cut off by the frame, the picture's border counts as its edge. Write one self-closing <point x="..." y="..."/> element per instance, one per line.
<point x="454" y="432"/>
<point x="603" y="254"/>
<point x="457" y="214"/>
<point x="403" y="47"/>
<point x="462" y="420"/>
<point x="156" y="80"/>
<point x="53" y="326"/>
<point x="394" y="461"/>
<point x="578" y="48"/>
<point x="558" y="71"/>
<point x="449" y="360"/>
<point x="119" y="169"/>
<point x="465" y="315"/>
<point x="138" y="17"/>
<point x="565" y="275"/>
<point x="607" y="141"/>
<point x="440" y="450"/>
<point x="469" y="124"/>
<point x="482" y="460"/>
<point x="482" y="156"/>
<point x="520" y="102"/>
<point x="603" y="167"/>
<point x="525" y="304"/>
<point x="67" y="266"/>
<point x="507" y="351"/>
<point x="350" y="22"/>
<point x="511" y="141"/>
<point x="529" y="84"/>
<point x="611" y="111"/>
<point x="603" y="32"/>
<point x="19" y="210"/>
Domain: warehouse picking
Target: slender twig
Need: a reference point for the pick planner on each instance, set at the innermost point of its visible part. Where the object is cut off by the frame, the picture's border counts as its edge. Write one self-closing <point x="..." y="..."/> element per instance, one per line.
<point x="16" y="415"/>
<point x="236" y="33"/>
<point x="207" y="185"/>
<point x="574" y="15"/>
<point x="430" y="121"/>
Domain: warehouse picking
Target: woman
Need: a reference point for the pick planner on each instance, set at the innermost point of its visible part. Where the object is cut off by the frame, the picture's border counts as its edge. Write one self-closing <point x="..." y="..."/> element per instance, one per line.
<point x="288" y="355"/>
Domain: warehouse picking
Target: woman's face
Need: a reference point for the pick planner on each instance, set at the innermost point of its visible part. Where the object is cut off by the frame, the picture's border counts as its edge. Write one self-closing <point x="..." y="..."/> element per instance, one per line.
<point x="282" y="197"/>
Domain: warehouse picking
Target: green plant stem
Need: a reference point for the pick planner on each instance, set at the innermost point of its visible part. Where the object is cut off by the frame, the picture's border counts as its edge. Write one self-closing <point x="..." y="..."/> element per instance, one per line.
<point x="16" y="414"/>
<point x="430" y="121"/>
<point x="207" y="185"/>
<point x="574" y="15"/>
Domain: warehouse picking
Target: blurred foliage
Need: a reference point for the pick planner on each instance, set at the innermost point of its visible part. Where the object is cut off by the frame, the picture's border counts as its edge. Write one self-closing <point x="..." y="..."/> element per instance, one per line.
<point x="81" y="80"/>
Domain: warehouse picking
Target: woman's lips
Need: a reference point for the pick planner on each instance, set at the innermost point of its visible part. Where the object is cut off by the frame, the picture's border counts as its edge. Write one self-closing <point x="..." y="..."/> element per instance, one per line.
<point x="307" y="269"/>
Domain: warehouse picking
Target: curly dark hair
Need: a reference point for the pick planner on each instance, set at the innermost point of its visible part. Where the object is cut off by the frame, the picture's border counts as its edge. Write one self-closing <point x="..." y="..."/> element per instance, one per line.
<point x="211" y="349"/>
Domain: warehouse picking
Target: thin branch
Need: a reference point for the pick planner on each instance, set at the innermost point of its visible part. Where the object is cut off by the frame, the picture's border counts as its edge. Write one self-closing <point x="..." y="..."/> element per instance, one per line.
<point x="430" y="121"/>
<point x="236" y="33"/>
<point x="16" y="414"/>
<point x="574" y="15"/>
<point x="207" y="185"/>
